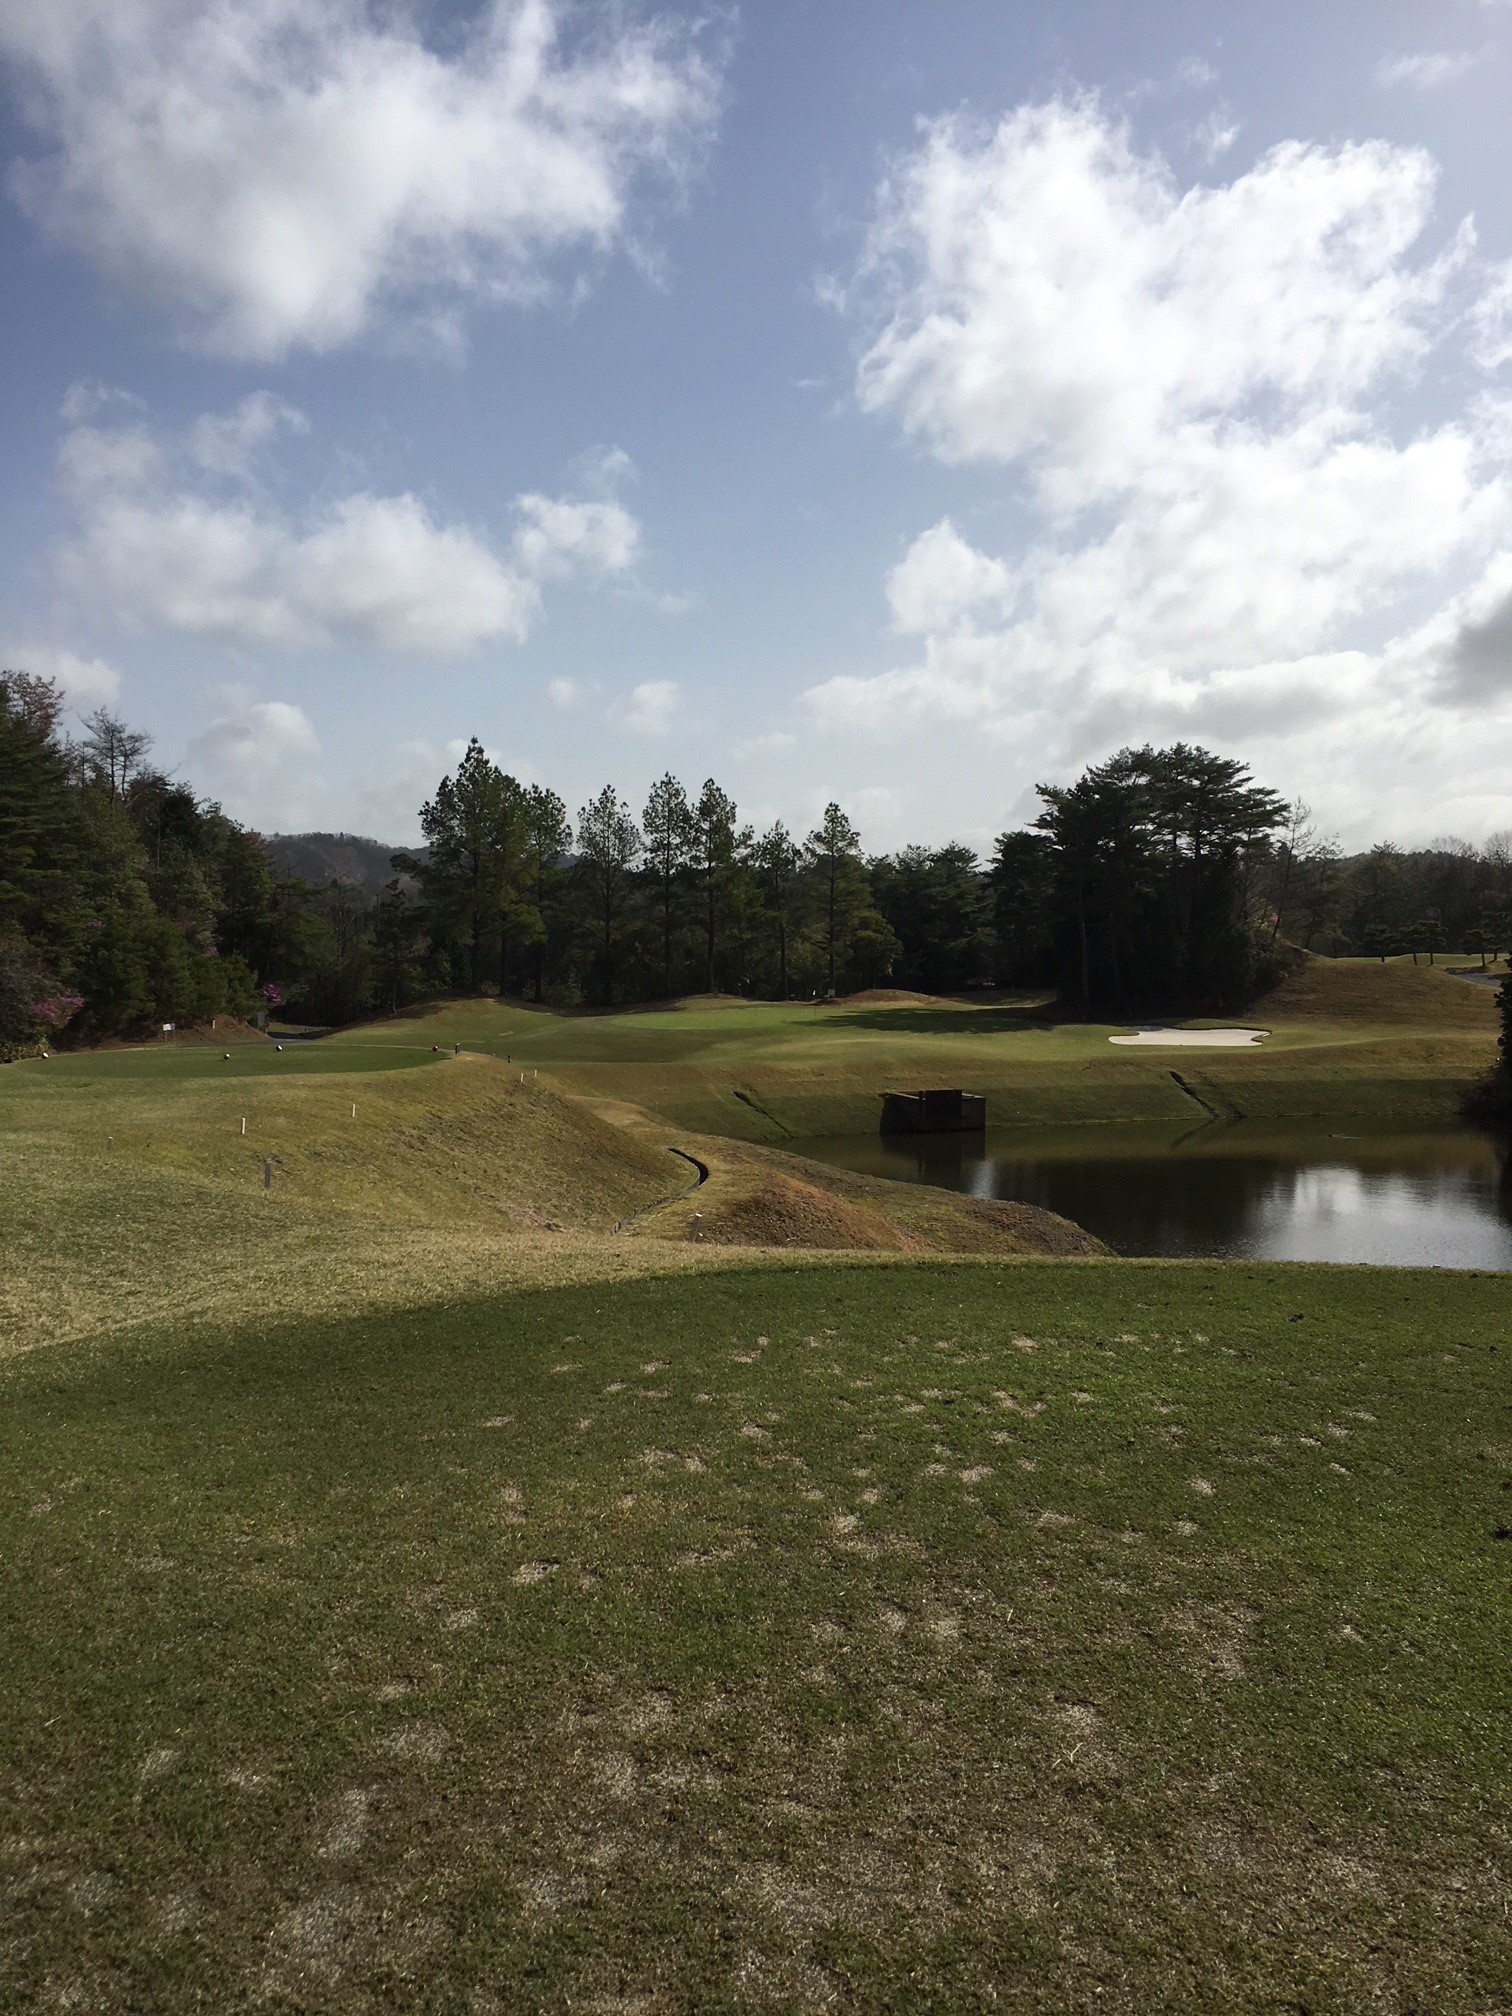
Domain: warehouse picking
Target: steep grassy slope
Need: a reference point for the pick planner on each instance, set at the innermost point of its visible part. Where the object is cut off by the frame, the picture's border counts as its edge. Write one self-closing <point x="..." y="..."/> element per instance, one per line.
<point x="159" y="1184"/>
<point x="128" y="1189"/>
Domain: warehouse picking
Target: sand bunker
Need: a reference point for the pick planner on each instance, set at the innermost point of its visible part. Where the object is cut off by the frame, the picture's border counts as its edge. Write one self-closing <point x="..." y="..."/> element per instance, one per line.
<point x="1194" y="1039"/>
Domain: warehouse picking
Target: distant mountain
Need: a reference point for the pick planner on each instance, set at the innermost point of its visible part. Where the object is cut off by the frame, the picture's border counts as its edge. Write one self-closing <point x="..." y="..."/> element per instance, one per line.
<point x="334" y="857"/>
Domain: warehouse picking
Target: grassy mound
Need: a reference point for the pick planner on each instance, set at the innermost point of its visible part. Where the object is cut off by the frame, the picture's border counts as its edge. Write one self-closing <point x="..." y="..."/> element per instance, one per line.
<point x="1092" y="1636"/>
<point x="781" y="1210"/>
<point x="1371" y="992"/>
<point x="166" y="1184"/>
<point x="136" y="1186"/>
<point x="757" y="1196"/>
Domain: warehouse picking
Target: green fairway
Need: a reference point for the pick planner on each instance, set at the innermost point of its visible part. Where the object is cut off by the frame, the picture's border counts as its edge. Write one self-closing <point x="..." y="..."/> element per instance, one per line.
<point x="1344" y="1037"/>
<point x="167" y="1064"/>
<point x="1054" y="1637"/>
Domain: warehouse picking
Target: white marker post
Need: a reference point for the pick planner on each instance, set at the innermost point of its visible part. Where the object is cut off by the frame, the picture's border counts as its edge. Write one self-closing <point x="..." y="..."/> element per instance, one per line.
<point x="244" y="1123"/>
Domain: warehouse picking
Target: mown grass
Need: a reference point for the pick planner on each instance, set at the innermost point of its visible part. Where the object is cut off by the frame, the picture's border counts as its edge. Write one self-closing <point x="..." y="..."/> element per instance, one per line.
<point x="1047" y="1636"/>
<point x="1392" y="1042"/>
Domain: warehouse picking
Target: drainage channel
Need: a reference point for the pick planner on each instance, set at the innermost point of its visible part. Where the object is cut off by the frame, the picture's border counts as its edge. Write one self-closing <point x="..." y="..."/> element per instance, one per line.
<point x="661" y="1203"/>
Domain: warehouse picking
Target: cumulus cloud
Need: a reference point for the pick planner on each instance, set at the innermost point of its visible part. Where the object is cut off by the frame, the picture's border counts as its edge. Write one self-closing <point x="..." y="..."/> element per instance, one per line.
<point x="230" y="444"/>
<point x="1192" y="390"/>
<point x="648" y="709"/>
<point x="1424" y="72"/>
<point x="85" y="683"/>
<point x="1476" y="658"/>
<point x="943" y="579"/>
<point x="1047" y="293"/>
<point x="260" y="755"/>
<point x="278" y="174"/>
<point x="179" y="535"/>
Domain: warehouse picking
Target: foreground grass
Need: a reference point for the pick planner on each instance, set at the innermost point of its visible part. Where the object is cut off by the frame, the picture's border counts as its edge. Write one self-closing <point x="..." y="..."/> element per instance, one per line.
<point x="1047" y="1636"/>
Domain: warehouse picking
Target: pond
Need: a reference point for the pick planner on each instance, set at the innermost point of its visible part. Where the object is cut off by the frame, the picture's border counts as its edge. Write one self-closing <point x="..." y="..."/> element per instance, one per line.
<point x="1248" y="1190"/>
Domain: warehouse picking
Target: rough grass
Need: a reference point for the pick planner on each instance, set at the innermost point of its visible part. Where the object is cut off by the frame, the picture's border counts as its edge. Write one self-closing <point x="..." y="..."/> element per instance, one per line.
<point x="764" y="1197"/>
<point x="1056" y="1636"/>
<point x="130" y="1191"/>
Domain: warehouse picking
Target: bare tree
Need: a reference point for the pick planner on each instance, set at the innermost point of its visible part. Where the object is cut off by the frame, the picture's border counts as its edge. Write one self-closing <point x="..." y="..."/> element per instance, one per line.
<point x="111" y="752"/>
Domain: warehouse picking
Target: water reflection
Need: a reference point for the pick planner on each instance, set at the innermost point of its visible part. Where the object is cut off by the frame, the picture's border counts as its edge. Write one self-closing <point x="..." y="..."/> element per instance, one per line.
<point x="1439" y="1198"/>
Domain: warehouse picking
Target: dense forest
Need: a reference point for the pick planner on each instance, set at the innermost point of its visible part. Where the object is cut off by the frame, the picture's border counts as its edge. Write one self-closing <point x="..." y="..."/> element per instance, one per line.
<point x="1163" y="879"/>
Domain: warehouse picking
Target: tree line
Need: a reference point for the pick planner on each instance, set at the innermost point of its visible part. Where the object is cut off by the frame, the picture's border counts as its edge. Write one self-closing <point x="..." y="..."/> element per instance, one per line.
<point x="1162" y="880"/>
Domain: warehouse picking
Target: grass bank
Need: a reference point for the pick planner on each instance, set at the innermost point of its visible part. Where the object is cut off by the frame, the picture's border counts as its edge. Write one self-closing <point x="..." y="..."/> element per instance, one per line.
<point x="167" y="1184"/>
<point x="1052" y="1636"/>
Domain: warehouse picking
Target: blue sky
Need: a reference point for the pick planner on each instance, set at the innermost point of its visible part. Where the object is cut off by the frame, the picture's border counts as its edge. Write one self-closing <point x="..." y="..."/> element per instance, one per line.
<point x="893" y="400"/>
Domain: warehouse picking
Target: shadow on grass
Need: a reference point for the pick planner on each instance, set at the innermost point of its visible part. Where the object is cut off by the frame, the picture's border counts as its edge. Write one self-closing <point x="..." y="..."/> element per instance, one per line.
<point x="945" y="1021"/>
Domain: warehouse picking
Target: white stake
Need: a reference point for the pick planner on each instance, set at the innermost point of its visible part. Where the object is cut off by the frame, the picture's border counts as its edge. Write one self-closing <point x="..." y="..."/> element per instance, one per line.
<point x="244" y="1123"/>
<point x="354" y="1109"/>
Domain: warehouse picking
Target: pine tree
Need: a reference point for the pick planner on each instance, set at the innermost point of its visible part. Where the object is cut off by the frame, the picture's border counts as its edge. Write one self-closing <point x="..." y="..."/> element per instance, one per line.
<point x="833" y="852"/>
<point x="609" y="842"/>
<point x="668" y="828"/>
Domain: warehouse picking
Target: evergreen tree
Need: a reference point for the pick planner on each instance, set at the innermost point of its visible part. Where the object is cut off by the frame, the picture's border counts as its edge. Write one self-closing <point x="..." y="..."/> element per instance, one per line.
<point x="1022" y="880"/>
<point x="667" y="825"/>
<point x="396" y="936"/>
<point x="609" y="843"/>
<point x="547" y="839"/>
<point x="935" y="900"/>
<point x="460" y="872"/>
<point x="833" y="854"/>
<point x="776" y="860"/>
<point x="717" y="847"/>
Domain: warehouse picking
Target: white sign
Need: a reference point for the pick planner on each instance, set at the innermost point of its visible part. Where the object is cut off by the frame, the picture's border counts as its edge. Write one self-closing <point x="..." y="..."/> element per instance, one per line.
<point x="167" y="1028"/>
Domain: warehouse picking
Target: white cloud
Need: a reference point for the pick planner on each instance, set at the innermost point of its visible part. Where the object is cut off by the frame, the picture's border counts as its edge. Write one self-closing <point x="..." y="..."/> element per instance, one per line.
<point x="649" y="708"/>
<point x="85" y="683"/>
<point x="1195" y="73"/>
<point x="1215" y="136"/>
<point x="1424" y="72"/>
<point x="229" y="444"/>
<point x="260" y="757"/>
<point x="1194" y="388"/>
<point x="1047" y="294"/>
<point x="1491" y="321"/>
<point x="942" y="579"/>
<point x="278" y="174"/>
<point x="563" y="693"/>
<point x="162" y="543"/>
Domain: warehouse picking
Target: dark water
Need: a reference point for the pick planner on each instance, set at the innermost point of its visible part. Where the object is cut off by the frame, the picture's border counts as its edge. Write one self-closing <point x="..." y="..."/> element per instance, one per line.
<point x="1440" y="1198"/>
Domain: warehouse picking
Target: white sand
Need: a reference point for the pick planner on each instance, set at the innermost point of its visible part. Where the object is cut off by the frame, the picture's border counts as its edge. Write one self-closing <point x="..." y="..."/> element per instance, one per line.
<point x="1194" y="1039"/>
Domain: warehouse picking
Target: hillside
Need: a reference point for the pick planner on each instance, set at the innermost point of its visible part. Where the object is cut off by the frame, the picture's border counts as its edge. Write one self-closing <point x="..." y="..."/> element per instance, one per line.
<point x="334" y="857"/>
<point x="1372" y="991"/>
